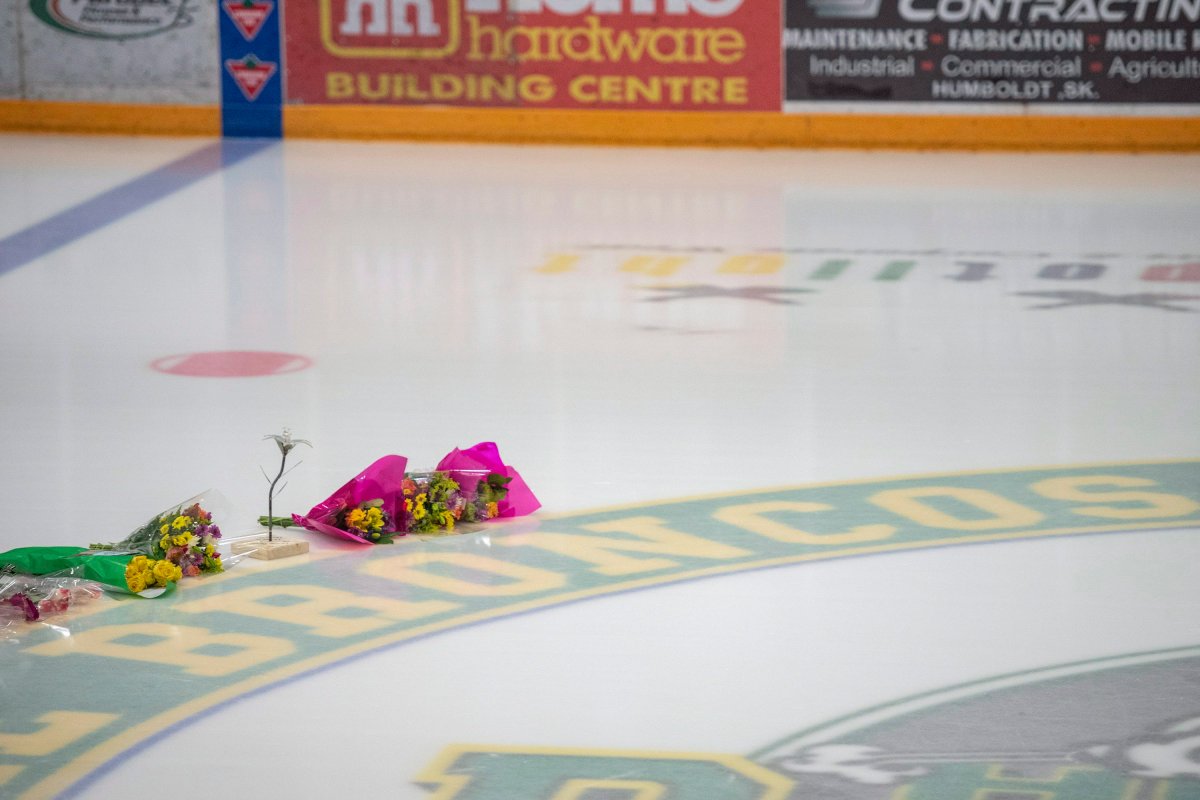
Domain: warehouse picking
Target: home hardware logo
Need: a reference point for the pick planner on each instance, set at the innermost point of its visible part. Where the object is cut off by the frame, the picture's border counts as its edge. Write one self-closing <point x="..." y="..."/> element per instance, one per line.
<point x="431" y="29"/>
<point x="390" y="28"/>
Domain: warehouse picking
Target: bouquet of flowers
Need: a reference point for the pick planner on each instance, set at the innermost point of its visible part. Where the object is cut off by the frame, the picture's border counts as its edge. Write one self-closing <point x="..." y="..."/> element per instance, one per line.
<point x="383" y="501"/>
<point x="434" y="501"/>
<point x="121" y="572"/>
<point x="365" y="509"/>
<point x="33" y="598"/>
<point x="179" y="542"/>
<point x="143" y="573"/>
<point x="482" y="474"/>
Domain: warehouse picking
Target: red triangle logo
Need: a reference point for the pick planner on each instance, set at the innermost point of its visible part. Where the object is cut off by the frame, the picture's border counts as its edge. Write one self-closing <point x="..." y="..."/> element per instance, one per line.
<point x="250" y="74"/>
<point x="248" y="15"/>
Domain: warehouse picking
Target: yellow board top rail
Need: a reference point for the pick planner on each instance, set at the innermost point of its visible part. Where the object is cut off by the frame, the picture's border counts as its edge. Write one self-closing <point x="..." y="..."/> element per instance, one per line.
<point x="650" y="128"/>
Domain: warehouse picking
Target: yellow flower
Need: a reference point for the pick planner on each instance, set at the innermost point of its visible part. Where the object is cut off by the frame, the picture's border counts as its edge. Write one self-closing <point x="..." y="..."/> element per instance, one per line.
<point x="492" y="510"/>
<point x="448" y="521"/>
<point x="209" y="550"/>
<point x="164" y="529"/>
<point x="148" y="577"/>
<point x="407" y="504"/>
<point x="184" y="540"/>
<point x="165" y="572"/>
<point x="138" y="563"/>
<point x="374" y="519"/>
<point x="135" y="582"/>
<point x="355" y="518"/>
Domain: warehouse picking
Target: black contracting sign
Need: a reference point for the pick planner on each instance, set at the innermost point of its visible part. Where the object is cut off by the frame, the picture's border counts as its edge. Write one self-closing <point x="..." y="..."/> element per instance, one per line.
<point x="987" y="51"/>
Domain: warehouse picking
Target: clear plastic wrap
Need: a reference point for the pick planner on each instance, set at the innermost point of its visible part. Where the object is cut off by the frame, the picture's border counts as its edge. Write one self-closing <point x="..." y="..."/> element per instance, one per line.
<point x="29" y="598"/>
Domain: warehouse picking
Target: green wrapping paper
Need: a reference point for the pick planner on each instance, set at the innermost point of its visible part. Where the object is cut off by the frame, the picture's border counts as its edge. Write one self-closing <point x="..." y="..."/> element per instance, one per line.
<point x="103" y="568"/>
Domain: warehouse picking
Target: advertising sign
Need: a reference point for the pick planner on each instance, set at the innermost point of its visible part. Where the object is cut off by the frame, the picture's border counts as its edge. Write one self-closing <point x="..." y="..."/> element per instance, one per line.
<point x="984" y="51"/>
<point x="104" y="19"/>
<point x="110" y="51"/>
<point x="251" y="95"/>
<point x="597" y="54"/>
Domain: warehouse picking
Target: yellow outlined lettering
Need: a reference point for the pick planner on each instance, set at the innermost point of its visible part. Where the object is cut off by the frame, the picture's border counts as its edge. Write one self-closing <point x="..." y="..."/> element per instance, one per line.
<point x="752" y="264"/>
<point x="1155" y="505"/>
<point x="658" y="266"/>
<point x="641" y="790"/>
<point x="559" y="263"/>
<point x="59" y="729"/>
<point x="749" y="516"/>
<point x="46" y="781"/>
<point x="653" y="537"/>
<point x="556" y="773"/>
<point x="313" y="607"/>
<point x="522" y="579"/>
<point x="1003" y="513"/>
<point x="172" y="644"/>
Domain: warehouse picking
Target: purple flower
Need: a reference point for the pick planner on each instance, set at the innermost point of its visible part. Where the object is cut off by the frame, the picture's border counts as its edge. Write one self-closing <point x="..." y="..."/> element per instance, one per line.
<point x="26" y="605"/>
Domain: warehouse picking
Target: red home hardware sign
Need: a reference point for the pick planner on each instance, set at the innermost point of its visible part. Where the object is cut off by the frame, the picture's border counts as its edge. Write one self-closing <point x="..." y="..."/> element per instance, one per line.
<point x="598" y="54"/>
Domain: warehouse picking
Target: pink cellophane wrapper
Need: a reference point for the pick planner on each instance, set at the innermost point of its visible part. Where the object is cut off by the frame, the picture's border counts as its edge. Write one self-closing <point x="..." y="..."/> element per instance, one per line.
<point x="380" y="481"/>
<point x="464" y="466"/>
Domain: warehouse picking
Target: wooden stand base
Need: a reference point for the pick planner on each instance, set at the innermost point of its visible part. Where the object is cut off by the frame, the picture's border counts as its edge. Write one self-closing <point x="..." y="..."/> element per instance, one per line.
<point x="269" y="551"/>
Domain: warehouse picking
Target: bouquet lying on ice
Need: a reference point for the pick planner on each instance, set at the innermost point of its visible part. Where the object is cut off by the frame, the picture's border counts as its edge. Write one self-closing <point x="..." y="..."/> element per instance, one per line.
<point x="384" y="501"/>
<point x="181" y="541"/>
<point x="185" y="537"/>
<point x="34" y="598"/>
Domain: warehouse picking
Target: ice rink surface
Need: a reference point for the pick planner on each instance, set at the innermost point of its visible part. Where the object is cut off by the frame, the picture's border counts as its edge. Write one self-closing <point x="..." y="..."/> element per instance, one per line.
<point x="864" y="474"/>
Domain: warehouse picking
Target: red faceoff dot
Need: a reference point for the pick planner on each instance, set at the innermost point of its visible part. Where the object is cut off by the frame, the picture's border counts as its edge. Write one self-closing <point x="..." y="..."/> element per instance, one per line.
<point x="1093" y="39"/>
<point x="231" y="364"/>
<point x="1096" y="66"/>
<point x="936" y="38"/>
<point x="927" y="65"/>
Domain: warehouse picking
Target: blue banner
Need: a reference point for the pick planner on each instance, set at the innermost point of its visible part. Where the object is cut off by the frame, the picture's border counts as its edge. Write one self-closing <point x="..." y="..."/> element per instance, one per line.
<point x="251" y="68"/>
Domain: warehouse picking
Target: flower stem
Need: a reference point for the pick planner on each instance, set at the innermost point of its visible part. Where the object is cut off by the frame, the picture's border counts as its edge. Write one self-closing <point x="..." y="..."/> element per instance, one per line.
<point x="271" y="500"/>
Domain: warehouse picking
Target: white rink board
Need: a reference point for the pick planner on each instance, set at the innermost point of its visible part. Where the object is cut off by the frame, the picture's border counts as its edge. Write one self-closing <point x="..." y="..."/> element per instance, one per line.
<point x="176" y="62"/>
<point x="10" y="61"/>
